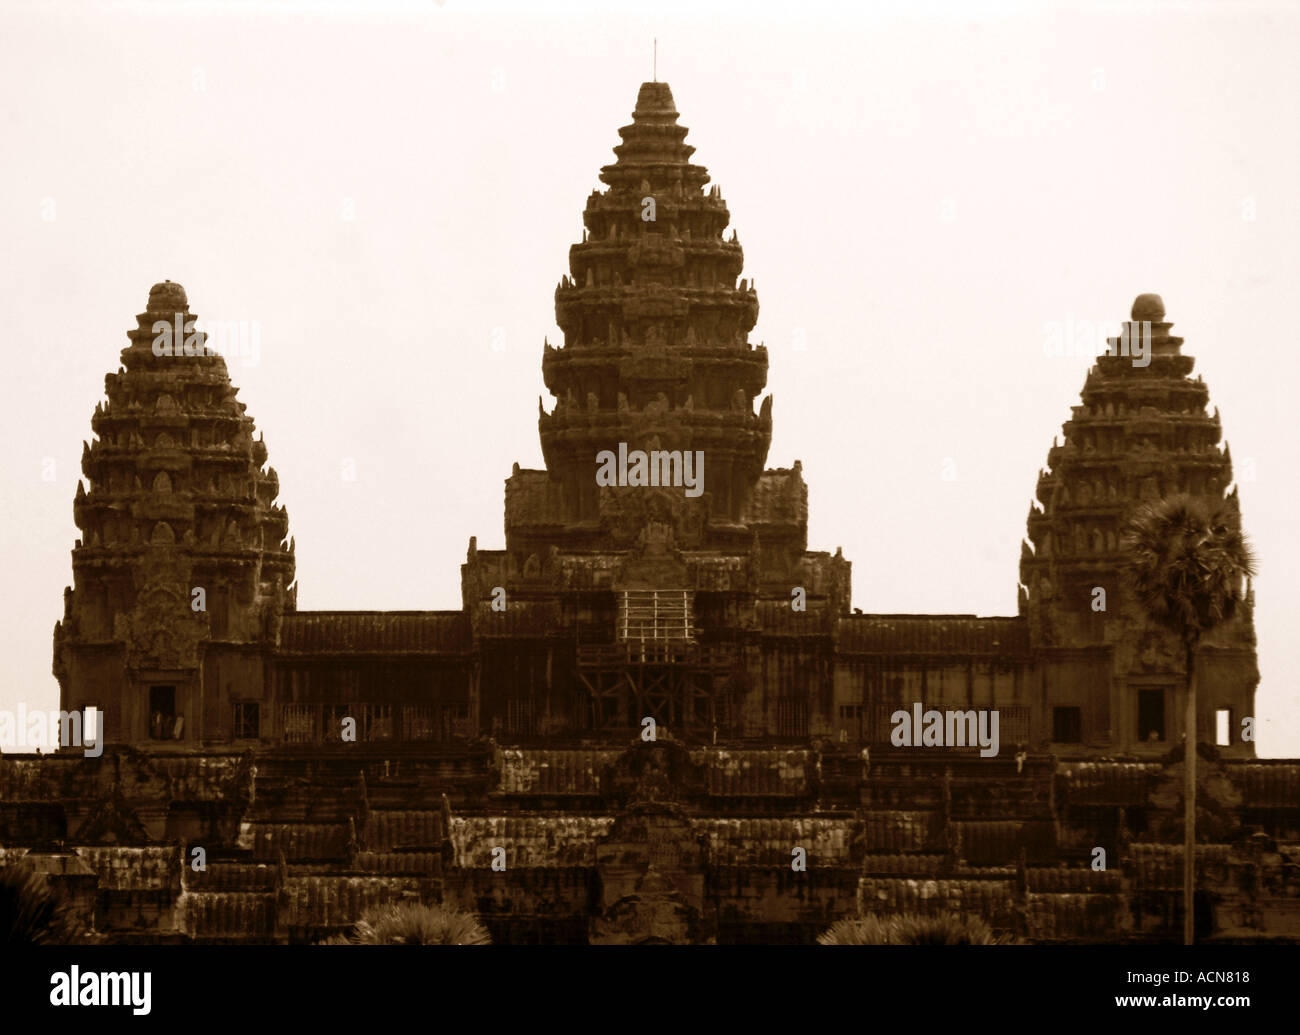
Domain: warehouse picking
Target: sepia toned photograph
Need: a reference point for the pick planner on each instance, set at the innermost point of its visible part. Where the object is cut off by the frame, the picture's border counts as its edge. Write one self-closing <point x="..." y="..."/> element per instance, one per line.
<point x="418" y="533"/>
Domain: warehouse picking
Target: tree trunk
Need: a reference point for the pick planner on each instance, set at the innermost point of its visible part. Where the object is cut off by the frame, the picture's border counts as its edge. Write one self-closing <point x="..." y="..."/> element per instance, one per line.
<point x="1189" y="802"/>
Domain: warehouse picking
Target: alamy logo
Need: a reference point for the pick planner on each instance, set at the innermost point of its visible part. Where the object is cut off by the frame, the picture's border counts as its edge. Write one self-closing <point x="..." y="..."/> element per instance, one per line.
<point x="946" y="729"/>
<point x="37" y="728"/>
<point x="1089" y="338"/>
<point x="123" y="988"/>
<point x="226" y="338"/>
<point x="657" y="467"/>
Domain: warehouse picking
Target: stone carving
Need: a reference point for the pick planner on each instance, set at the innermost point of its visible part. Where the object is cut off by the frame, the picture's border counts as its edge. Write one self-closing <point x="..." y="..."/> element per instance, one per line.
<point x="161" y="631"/>
<point x="626" y="512"/>
<point x="1157" y="653"/>
<point x="657" y="914"/>
<point x="657" y="407"/>
<point x="1217" y="799"/>
<point x="111" y="822"/>
<point x="653" y="773"/>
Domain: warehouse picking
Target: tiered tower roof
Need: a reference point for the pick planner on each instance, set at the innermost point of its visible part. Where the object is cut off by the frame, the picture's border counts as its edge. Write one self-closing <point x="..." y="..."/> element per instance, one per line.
<point x="656" y="351"/>
<point x="178" y="499"/>
<point x="1141" y="433"/>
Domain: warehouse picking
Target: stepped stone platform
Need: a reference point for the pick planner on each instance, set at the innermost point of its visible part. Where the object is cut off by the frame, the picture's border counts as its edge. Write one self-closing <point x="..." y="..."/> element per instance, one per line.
<point x="658" y="841"/>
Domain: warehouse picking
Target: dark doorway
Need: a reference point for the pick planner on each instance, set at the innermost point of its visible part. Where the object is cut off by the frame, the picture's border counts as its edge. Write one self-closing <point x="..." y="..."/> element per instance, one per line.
<point x="1202" y="915"/>
<point x="248" y="724"/>
<point x="1151" y="715"/>
<point x="162" y="712"/>
<point x="1067" y="725"/>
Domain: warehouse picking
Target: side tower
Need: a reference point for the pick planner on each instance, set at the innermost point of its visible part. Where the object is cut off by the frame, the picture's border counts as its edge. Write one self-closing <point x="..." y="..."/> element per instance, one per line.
<point x="1111" y="679"/>
<point x="182" y="572"/>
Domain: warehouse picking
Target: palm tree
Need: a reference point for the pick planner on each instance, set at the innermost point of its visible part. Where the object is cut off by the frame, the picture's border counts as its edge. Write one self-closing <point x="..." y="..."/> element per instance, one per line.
<point x="413" y="923"/>
<point x="911" y="929"/>
<point x="867" y="930"/>
<point x="1186" y="566"/>
<point x="32" y="914"/>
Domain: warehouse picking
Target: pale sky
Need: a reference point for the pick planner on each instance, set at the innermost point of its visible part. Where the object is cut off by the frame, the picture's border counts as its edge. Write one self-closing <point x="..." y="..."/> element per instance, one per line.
<point x="923" y="192"/>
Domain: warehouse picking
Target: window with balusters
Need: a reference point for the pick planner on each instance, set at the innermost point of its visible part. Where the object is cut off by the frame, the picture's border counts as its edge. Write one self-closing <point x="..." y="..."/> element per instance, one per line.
<point x="655" y="616"/>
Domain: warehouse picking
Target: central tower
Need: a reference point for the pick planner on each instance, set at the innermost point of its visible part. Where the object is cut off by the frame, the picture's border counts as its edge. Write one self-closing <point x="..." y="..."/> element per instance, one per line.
<point x="616" y="602"/>
<point x="656" y="352"/>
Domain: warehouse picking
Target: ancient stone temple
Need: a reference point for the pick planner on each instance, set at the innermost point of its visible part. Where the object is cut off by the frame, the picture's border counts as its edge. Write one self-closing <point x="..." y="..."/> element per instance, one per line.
<point x="655" y="716"/>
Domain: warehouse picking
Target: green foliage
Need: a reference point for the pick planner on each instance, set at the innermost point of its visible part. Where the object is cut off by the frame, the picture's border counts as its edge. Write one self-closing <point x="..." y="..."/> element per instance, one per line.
<point x="912" y="929"/>
<point x="32" y="914"/>
<point x="1186" y="564"/>
<point x="413" y="923"/>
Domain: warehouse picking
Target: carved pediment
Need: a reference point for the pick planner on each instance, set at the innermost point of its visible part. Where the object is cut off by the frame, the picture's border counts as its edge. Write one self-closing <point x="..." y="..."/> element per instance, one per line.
<point x="162" y="631"/>
<point x="654" y="772"/>
<point x="656" y="914"/>
<point x="1157" y="651"/>
<point x="114" y="823"/>
<point x="653" y="522"/>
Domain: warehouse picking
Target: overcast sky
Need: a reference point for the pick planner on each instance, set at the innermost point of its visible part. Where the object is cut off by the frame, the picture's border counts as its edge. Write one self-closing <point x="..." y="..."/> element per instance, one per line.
<point x="923" y="192"/>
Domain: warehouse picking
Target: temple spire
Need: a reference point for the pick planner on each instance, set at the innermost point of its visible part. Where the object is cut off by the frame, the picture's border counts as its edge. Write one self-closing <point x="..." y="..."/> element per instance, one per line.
<point x="1141" y="434"/>
<point x="655" y="323"/>
<point x="175" y="500"/>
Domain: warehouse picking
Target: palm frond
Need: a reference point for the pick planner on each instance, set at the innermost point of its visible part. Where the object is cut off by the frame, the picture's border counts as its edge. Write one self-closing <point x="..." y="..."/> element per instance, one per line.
<point x="948" y="929"/>
<point x="1187" y="565"/>
<point x="912" y="929"/>
<point x="32" y="914"/>
<point x="413" y="923"/>
<point x="867" y="930"/>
